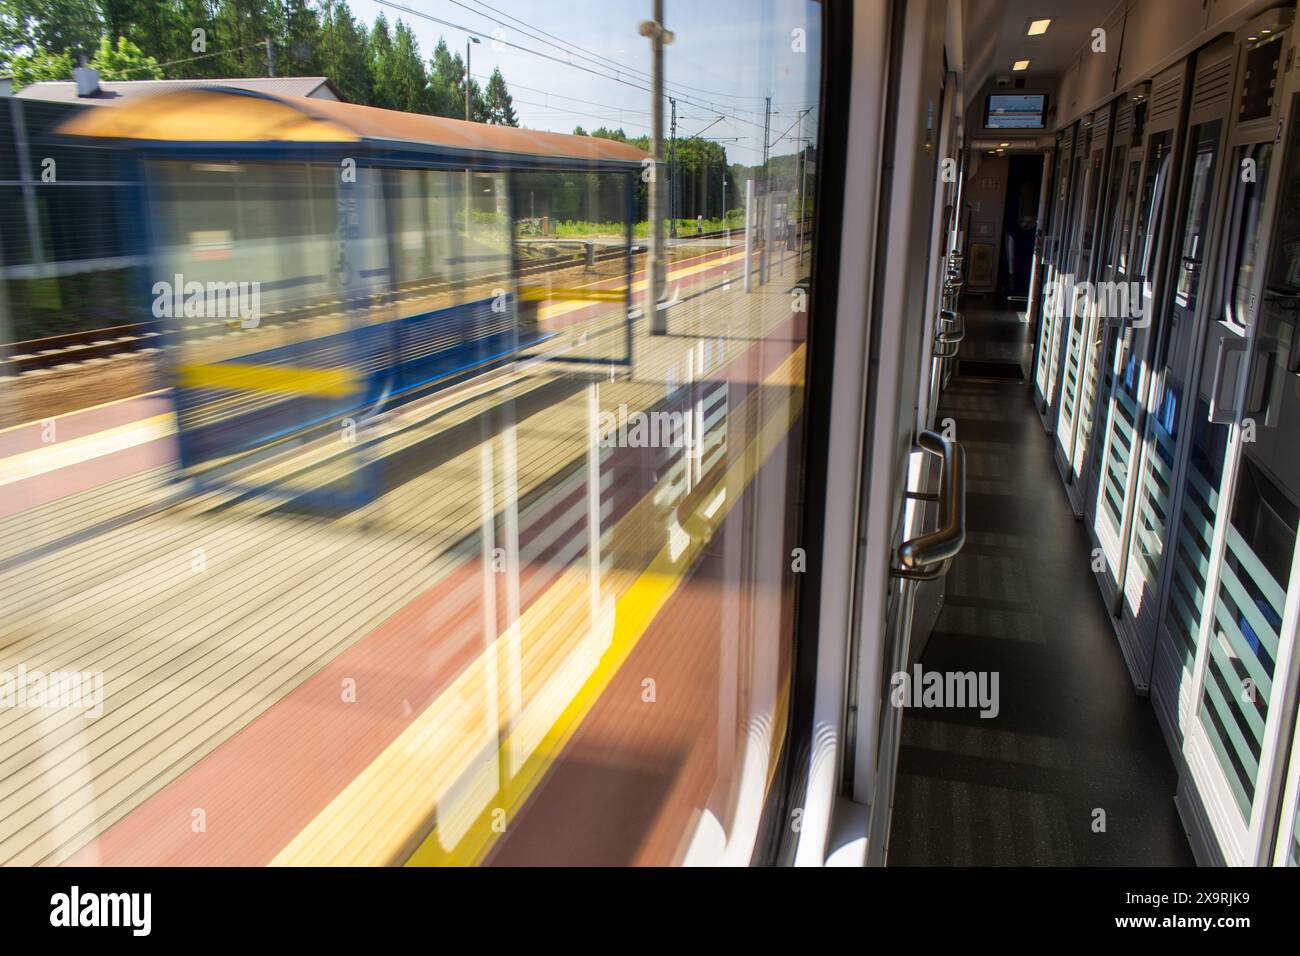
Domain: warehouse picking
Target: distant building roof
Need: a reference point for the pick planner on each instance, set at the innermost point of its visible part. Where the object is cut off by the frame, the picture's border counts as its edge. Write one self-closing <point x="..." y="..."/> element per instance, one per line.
<point x="113" y="92"/>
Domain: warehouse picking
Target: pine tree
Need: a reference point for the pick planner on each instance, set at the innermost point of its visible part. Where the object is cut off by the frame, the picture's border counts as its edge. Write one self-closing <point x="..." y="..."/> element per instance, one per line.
<point x="445" y="73"/>
<point x="301" y="40"/>
<point x="500" y="104"/>
<point x="404" y="76"/>
<point x="447" y="83"/>
<point x="345" y="53"/>
<point x="242" y="28"/>
<point x="381" y="52"/>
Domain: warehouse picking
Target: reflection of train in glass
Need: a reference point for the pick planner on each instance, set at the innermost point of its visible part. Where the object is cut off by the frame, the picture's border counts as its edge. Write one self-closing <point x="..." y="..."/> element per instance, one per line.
<point x="317" y="260"/>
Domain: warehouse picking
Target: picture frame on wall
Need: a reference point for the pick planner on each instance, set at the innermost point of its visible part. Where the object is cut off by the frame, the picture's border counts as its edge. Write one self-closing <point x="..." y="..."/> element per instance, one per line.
<point x="980" y="267"/>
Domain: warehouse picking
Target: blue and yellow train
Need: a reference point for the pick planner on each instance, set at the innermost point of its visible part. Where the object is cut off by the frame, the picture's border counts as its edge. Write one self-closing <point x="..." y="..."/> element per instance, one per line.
<point x="315" y="262"/>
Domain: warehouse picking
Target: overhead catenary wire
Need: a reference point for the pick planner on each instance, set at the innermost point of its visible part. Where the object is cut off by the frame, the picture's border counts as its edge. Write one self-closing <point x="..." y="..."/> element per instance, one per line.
<point x="569" y="46"/>
<point x="191" y="59"/>
<point x="552" y="58"/>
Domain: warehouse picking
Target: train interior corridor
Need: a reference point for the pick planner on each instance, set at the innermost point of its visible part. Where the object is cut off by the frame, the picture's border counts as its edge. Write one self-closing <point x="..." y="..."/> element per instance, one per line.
<point x="1090" y="647"/>
<point x="1025" y="789"/>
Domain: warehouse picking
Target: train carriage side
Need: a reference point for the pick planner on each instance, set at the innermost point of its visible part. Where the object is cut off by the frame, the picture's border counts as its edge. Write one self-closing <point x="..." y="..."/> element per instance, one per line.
<point x="369" y="255"/>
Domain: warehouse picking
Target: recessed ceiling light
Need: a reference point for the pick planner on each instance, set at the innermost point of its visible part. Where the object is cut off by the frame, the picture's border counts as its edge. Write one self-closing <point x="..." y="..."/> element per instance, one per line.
<point x="1002" y="145"/>
<point x="1038" y="27"/>
<point x="1020" y="66"/>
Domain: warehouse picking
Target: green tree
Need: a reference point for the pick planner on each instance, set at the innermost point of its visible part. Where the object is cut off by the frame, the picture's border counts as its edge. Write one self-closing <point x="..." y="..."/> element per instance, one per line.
<point x="123" y="61"/>
<point x="447" y="84"/>
<point x="156" y="27"/>
<point x="500" y="104"/>
<point x="445" y="73"/>
<point x="381" y="51"/>
<point x="410" y="83"/>
<point x="242" y="27"/>
<point x="53" y="26"/>
<point x="40" y="65"/>
<point x="640" y="142"/>
<point x="345" y="53"/>
<point x="400" y="80"/>
<point x="301" y="39"/>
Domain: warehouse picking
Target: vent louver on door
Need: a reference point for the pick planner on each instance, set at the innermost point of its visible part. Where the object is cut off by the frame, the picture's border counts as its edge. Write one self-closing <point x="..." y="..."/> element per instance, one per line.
<point x="1124" y="117"/>
<point x="1213" y="83"/>
<point x="1166" y="92"/>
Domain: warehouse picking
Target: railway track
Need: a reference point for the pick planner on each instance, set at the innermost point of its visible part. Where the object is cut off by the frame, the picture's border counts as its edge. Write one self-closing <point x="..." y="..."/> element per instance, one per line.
<point x="74" y="348"/>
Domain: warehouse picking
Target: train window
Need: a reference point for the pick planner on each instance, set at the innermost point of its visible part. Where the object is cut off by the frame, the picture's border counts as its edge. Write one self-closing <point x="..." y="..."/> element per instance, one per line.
<point x="1090" y="212"/>
<point x="1284" y="261"/>
<point x="443" y="195"/>
<point x="1249" y="214"/>
<point x="489" y="229"/>
<point x="452" y="539"/>
<point x="1192" y="251"/>
<point x="1076" y="206"/>
<point x="1159" y="159"/>
<point x="1130" y="210"/>
<point x="1111" y="222"/>
<point x="264" y="223"/>
<point x="1260" y="81"/>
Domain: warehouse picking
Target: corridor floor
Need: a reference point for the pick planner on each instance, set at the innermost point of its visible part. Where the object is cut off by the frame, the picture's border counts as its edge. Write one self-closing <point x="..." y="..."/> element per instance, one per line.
<point x="1073" y="769"/>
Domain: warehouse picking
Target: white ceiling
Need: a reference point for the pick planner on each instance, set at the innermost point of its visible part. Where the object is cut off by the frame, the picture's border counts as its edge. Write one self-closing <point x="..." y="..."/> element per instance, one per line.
<point x="994" y="32"/>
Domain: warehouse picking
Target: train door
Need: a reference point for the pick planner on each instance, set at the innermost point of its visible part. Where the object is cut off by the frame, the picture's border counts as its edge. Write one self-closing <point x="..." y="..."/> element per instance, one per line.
<point x="1287" y="845"/>
<point x="1081" y="180"/>
<point x="1114" y="289"/>
<point x="942" y="235"/>
<point x="1130" y="370"/>
<point x="1241" y="529"/>
<point x="1180" y="335"/>
<point x="1212" y="365"/>
<point x="893" y="551"/>
<point x="1082" y="306"/>
<point x="1054" y="248"/>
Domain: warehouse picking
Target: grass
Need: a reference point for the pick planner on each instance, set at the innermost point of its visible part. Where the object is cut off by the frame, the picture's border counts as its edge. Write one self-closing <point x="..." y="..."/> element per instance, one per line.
<point x="582" y="229"/>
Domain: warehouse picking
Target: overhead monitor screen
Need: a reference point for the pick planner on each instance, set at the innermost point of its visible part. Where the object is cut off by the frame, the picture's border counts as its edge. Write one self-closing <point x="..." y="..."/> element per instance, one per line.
<point x="1015" y="111"/>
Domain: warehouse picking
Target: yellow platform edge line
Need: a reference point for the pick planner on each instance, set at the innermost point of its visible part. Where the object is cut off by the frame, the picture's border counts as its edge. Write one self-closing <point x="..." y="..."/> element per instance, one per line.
<point x="635" y="612"/>
<point x="337" y="835"/>
<point x="541" y="293"/>
<point x="286" y="379"/>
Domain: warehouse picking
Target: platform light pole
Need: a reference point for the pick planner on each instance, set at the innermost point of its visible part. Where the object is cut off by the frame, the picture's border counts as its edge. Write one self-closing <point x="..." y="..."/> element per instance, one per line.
<point x="469" y="39"/>
<point x="803" y="178"/>
<point x="673" y="198"/>
<point x="469" y="202"/>
<point x="658" y="36"/>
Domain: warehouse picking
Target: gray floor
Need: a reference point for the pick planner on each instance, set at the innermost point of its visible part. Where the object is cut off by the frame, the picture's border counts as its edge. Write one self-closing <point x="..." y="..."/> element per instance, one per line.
<point x="1073" y="770"/>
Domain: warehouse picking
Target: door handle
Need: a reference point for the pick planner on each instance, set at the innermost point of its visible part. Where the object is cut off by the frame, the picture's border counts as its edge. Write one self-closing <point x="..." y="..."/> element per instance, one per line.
<point x="927" y="556"/>
<point x="952" y="329"/>
<point x="1222" y="413"/>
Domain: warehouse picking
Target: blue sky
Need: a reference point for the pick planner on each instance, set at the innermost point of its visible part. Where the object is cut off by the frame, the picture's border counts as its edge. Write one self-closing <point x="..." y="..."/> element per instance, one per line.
<point x="726" y="56"/>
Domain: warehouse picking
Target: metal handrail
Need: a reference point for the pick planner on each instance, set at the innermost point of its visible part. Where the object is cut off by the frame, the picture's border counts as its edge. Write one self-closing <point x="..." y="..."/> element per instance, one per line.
<point x="947" y="339"/>
<point x="927" y="556"/>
